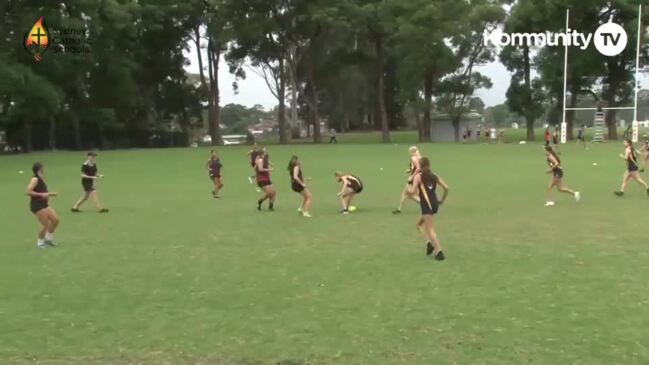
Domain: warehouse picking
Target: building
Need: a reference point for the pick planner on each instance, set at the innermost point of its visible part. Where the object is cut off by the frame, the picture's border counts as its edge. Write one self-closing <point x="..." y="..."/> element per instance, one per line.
<point x="442" y="127"/>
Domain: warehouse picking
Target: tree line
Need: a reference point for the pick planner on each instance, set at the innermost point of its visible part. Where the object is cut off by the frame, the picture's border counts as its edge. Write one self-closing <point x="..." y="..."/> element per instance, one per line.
<point x="358" y="64"/>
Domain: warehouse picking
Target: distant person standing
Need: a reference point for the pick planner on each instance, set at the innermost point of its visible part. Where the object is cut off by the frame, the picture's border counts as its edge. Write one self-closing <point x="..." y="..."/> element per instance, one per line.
<point x="631" y="159"/>
<point x="39" y="206"/>
<point x="214" y="166"/>
<point x="501" y="136"/>
<point x="89" y="173"/>
<point x="469" y="133"/>
<point x="581" y="135"/>
<point x="464" y="135"/>
<point x="332" y="136"/>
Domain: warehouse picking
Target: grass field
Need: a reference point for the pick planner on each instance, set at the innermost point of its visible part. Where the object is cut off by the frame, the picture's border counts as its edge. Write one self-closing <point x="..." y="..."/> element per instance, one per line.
<point x="172" y="276"/>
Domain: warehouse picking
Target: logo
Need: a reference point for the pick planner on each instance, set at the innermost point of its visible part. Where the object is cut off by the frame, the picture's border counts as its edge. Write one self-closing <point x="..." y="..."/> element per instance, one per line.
<point x="610" y="39"/>
<point x="36" y="40"/>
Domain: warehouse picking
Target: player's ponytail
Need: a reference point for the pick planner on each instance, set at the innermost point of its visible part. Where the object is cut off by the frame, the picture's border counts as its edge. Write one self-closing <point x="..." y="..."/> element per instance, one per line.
<point x="427" y="176"/>
<point x="36" y="167"/>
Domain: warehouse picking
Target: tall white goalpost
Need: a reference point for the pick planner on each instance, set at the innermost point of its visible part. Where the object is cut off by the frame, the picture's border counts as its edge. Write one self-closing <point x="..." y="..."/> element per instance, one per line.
<point x="564" y="125"/>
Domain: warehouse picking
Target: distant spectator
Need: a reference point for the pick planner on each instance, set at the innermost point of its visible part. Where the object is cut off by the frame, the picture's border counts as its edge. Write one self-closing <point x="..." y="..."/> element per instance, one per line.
<point x="464" y="133"/>
<point x="332" y="134"/>
<point x="468" y="133"/>
<point x="501" y="136"/>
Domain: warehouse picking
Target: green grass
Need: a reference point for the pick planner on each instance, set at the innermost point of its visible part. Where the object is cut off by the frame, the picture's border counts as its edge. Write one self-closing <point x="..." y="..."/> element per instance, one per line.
<point x="172" y="276"/>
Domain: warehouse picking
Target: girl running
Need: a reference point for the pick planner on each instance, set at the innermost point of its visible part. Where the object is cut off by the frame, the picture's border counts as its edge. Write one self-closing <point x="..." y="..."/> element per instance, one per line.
<point x="214" y="166"/>
<point x="557" y="177"/>
<point x="646" y="155"/>
<point x="425" y="184"/>
<point x="413" y="169"/>
<point x="263" y="169"/>
<point x="631" y="172"/>
<point x="89" y="173"/>
<point x="350" y="186"/>
<point x="298" y="185"/>
<point x="252" y="156"/>
<point x="39" y="205"/>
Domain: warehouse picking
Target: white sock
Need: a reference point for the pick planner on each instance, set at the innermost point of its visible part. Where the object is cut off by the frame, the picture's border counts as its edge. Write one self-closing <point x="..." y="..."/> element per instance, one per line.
<point x="49" y="236"/>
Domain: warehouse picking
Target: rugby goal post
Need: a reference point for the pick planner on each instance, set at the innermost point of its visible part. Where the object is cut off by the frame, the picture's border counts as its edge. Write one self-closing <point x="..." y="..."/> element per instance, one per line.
<point x="598" y="116"/>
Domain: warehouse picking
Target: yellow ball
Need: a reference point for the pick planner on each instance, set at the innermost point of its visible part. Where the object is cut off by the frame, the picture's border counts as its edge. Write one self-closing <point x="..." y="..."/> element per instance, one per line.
<point x="352" y="208"/>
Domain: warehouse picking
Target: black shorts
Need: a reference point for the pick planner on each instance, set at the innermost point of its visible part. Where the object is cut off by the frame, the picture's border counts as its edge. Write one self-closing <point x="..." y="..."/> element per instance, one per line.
<point x="36" y="206"/>
<point x="297" y="187"/>
<point x="262" y="184"/>
<point x="355" y="186"/>
<point x="212" y="176"/>
<point x="633" y="168"/>
<point x="557" y="173"/>
<point x="580" y="138"/>
<point x="426" y="210"/>
<point x="88" y="186"/>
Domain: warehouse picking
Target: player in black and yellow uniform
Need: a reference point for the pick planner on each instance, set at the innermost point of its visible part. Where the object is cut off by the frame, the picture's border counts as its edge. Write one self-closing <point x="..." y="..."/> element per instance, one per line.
<point x="214" y="166"/>
<point x="413" y="169"/>
<point x="350" y="186"/>
<point x="425" y="184"/>
<point x="557" y="177"/>
<point x="298" y="185"/>
<point x="632" y="168"/>
<point x="89" y="173"/>
<point x="39" y="206"/>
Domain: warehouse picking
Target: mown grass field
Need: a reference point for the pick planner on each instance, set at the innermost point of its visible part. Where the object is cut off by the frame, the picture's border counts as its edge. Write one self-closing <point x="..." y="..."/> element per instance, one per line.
<point x="172" y="276"/>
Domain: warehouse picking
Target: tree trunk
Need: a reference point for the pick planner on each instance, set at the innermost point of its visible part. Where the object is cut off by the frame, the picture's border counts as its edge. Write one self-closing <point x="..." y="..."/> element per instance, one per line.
<point x="455" y="120"/>
<point x="529" y="120"/>
<point x="214" y="55"/>
<point x="52" y="133"/>
<point x="281" y="110"/>
<point x="27" y="129"/>
<point x="294" y="123"/>
<point x="383" y="114"/>
<point x="428" y="102"/>
<point x="420" y="126"/>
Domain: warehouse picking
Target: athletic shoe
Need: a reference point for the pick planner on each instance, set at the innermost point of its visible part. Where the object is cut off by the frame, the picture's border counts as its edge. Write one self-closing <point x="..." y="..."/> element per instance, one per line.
<point x="258" y="190"/>
<point x="345" y="212"/>
<point x="41" y="245"/>
<point x="250" y="179"/>
<point x="299" y="210"/>
<point x="619" y="193"/>
<point x="440" y="256"/>
<point x="306" y="215"/>
<point x="75" y="210"/>
<point x="50" y="244"/>
<point x="396" y="211"/>
<point x="429" y="248"/>
<point x="577" y="196"/>
<point x="103" y="210"/>
<point x="271" y="209"/>
<point x="549" y="204"/>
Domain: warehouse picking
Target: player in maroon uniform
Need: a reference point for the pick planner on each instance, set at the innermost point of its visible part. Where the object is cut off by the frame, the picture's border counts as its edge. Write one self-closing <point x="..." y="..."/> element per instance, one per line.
<point x="263" y="169"/>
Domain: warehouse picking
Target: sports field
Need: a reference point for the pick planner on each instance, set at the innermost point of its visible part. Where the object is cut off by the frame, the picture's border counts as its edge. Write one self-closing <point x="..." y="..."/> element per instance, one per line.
<point x="171" y="276"/>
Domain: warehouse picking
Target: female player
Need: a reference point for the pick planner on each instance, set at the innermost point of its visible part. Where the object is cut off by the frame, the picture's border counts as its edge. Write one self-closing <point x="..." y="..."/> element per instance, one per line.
<point x="646" y="155"/>
<point x="39" y="198"/>
<point x="557" y="176"/>
<point x="631" y="159"/>
<point x="214" y="166"/>
<point x="89" y="173"/>
<point x="413" y="169"/>
<point x="547" y="136"/>
<point x="263" y="169"/>
<point x="425" y="183"/>
<point x="351" y="185"/>
<point x="252" y="156"/>
<point x="298" y="185"/>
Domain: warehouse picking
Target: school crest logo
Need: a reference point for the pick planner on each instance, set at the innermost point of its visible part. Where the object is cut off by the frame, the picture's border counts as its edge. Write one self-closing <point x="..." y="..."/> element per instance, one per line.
<point x="37" y="40"/>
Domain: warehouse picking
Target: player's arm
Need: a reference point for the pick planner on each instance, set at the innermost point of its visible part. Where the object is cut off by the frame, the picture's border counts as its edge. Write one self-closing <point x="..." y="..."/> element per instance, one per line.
<point x="343" y="181"/>
<point x="296" y="175"/>
<point x="626" y="154"/>
<point x="85" y="175"/>
<point x="444" y="187"/>
<point x="415" y="162"/>
<point x="412" y="189"/>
